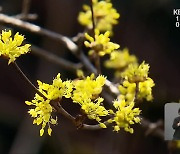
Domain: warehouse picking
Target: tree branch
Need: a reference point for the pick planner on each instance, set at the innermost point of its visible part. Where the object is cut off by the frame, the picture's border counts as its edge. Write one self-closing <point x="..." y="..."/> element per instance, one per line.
<point x="25" y="7"/>
<point x="153" y="128"/>
<point x="94" y="127"/>
<point x="30" y="16"/>
<point x="65" y="64"/>
<point x="39" y="30"/>
<point x="92" y="16"/>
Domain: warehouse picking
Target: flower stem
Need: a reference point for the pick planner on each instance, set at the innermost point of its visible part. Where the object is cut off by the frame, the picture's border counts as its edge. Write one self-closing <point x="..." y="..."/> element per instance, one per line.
<point x="27" y="80"/>
<point x="92" y="12"/>
<point x="98" y="64"/>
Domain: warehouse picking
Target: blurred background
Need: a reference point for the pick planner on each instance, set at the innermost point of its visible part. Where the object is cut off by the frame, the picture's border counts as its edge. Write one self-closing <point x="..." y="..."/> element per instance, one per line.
<point x="147" y="28"/>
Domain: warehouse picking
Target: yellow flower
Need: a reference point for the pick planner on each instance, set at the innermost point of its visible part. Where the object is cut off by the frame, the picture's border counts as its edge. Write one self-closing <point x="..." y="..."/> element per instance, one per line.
<point x="11" y="47"/>
<point x="94" y="110"/>
<point x="136" y="73"/>
<point x="86" y="94"/>
<point x="127" y="91"/>
<point x="120" y="59"/>
<point x="87" y="88"/>
<point x="104" y="14"/>
<point x="125" y="115"/>
<point x="57" y="89"/>
<point x="145" y="89"/>
<point x="101" y="44"/>
<point x="136" y="83"/>
<point x="42" y="111"/>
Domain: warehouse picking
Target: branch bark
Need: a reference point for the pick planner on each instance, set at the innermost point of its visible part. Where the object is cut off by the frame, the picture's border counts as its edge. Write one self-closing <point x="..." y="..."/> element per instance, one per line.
<point x="65" y="64"/>
<point x="39" y="30"/>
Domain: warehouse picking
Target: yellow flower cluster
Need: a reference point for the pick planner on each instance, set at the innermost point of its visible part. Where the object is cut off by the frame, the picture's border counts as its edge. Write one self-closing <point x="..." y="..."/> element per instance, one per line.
<point x="11" y="47"/>
<point x="136" y="82"/>
<point x="125" y="115"/>
<point x="101" y="44"/>
<point x="136" y="73"/>
<point x="119" y="60"/>
<point x="42" y="113"/>
<point x="104" y="14"/>
<point x="127" y="91"/>
<point x="86" y="93"/>
<point x="87" y="88"/>
<point x="57" y="89"/>
<point x="43" y="110"/>
<point x="145" y="89"/>
<point x="94" y="109"/>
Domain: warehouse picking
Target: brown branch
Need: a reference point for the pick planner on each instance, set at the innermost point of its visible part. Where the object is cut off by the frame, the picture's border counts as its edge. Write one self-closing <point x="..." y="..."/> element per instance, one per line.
<point x="153" y="128"/>
<point x="39" y="30"/>
<point x="94" y="127"/>
<point x="98" y="63"/>
<point x="61" y="110"/>
<point x="27" y="17"/>
<point x="55" y="59"/>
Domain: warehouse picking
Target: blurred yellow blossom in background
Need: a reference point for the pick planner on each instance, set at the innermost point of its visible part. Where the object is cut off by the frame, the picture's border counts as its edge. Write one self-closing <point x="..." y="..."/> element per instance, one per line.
<point x="11" y="47"/>
<point x="104" y="14"/>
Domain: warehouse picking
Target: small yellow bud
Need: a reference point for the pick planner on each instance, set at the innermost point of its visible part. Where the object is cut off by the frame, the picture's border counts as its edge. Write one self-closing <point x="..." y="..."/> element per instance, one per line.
<point x="111" y="111"/>
<point x="53" y="121"/>
<point x="39" y="121"/>
<point x="80" y="73"/>
<point x="102" y="125"/>
<point x="110" y="121"/>
<point x="28" y="103"/>
<point x="49" y="131"/>
<point x="41" y="132"/>
<point x="116" y="128"/>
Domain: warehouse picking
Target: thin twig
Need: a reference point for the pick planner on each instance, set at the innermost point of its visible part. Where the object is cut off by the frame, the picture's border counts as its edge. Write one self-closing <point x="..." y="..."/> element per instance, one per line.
<point x="31" y="16"/>
<point x="152" y="128"/>
<point x="28" y="81"/>
<point x="87" y="64"/>
<point x="98" y="64"/>
<point x="97" y="58"/>
<point x="92" y="16"/>
<point x="65" y="64"/>
<point x="94" y="127"/>
<point x="25" y="7"/>
<point x="61" y="110"/>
